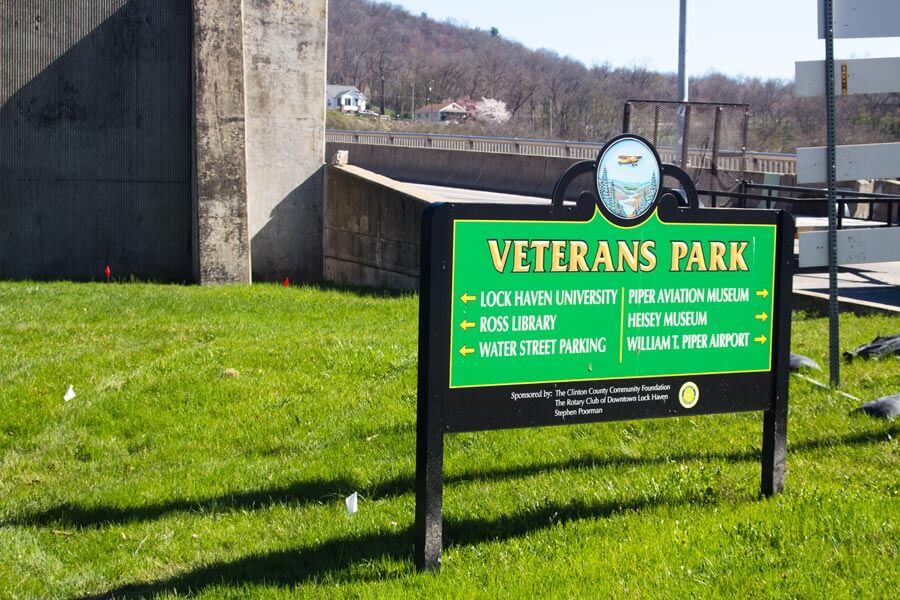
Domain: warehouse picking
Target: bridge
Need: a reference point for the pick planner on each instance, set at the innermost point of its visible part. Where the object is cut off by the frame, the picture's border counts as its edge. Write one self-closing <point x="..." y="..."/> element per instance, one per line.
<point x="522" y="168"/>
<point x="380" y="182"/>
<point x="762" y="162"/>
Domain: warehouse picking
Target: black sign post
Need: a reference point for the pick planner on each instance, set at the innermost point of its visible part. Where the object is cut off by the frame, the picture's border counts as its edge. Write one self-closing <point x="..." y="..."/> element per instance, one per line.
<point x="631" y="303"/>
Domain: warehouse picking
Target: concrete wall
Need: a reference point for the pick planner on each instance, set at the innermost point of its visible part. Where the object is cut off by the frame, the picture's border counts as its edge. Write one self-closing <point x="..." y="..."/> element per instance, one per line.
<point x="508" y="173"/>
<point x="174" y="140"/>
<point x="372" y="230"/>
<point x="95" y="139"/>
<point x="223" y="239"/>
<point x="284" y="81"/>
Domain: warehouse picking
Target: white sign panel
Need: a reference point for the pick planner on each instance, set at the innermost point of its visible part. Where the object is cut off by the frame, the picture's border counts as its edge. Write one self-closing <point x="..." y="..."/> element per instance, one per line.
<point x="858" y="76"/>
<point x="862" y="18"/>
<point x="866" y="161"/>
<point x="855" y="246"/>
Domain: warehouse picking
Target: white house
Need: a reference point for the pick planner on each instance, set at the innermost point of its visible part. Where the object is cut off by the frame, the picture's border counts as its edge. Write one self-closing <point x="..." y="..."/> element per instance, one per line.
<point x="442" y="112"/>
<point x="344" y="98"/>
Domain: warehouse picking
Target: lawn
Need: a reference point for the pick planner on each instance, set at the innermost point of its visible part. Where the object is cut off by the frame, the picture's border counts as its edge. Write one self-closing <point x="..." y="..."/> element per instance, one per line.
<point x="216" y="431"/>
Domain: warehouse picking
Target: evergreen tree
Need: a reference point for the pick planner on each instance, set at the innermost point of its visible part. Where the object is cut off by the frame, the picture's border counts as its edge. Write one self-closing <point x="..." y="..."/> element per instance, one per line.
<point x="604" y="186"/>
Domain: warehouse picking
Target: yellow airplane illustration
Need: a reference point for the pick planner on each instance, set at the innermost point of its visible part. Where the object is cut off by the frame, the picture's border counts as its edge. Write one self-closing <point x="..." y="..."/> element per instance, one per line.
<point x="629" y="159"/>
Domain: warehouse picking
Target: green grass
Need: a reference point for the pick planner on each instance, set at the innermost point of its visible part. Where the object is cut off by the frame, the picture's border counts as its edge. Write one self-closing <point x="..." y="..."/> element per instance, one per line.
<point x="164" y="476"/>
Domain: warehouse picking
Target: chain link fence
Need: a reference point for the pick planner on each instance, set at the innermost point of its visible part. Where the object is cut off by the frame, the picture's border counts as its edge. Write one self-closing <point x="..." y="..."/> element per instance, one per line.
<point x="708" y="140"/>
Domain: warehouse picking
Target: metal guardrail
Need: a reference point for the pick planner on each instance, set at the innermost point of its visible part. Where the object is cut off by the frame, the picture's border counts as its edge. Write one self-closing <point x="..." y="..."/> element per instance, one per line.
<point x="766" y="162"/>
<point x="800" y="195"/>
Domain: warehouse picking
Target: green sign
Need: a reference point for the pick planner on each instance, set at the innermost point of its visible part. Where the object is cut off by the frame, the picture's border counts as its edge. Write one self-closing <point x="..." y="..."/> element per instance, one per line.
<point x="633" y="302"/>
<point x="553" y="301"/>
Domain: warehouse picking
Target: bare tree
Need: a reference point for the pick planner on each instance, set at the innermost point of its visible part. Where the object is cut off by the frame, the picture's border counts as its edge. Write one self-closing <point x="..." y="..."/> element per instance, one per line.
<point x="380" y="46"/>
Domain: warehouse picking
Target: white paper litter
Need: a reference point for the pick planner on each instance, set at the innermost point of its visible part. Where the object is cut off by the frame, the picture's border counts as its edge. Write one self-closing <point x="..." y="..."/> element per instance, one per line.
<point x="70" y="393"/>
<point x="351" y="502"/>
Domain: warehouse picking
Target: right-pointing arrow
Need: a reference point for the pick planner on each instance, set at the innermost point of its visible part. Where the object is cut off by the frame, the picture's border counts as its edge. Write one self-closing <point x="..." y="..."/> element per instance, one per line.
<point x="760" y="340"/>
<point x="761" y="317"/>
<point x="763" y="293"/>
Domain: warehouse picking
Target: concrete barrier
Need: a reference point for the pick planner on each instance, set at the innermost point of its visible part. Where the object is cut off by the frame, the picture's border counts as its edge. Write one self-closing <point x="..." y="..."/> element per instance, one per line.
<point x="504" y="173"/>
<point x="372" y="227"/>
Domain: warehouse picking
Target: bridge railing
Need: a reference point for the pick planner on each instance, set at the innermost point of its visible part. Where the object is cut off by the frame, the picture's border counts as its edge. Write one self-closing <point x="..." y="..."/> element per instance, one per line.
<point x="766" y="162"/>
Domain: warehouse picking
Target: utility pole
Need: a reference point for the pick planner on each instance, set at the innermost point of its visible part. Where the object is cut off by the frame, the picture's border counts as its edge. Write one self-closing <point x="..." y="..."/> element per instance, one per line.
<point x="682" y="139"/>
<point x="682" y="50"/>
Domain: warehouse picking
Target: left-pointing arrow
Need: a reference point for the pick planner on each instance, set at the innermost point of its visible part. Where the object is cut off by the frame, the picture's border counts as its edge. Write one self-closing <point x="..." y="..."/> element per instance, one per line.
<point x="466" y="297"/>
<point x="465" y="351"/>
<point x="466" y="325"/>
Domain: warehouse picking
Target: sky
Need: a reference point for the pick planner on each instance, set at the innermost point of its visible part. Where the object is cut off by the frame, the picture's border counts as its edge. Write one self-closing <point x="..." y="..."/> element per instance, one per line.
<point x="753" y="38"/>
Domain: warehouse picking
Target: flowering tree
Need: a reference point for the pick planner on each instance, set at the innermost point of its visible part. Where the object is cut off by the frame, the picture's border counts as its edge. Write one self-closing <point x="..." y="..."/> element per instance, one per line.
<point x="491" y="110"/>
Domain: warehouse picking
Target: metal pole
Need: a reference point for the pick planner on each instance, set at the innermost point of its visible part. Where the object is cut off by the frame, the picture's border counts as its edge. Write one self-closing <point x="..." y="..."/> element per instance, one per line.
<point x="833" y="309"/>
<point x="745" y="127"/>
<point x="717" y="131"/>
<point x="685" y="134"/>
<point x="682" y="140"/>
<point x="656" y="125"/>
<point x="682" y="49"/>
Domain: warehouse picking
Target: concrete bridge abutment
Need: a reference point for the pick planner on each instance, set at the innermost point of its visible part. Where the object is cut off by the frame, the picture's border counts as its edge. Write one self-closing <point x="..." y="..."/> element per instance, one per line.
<point x="174" y="141"/>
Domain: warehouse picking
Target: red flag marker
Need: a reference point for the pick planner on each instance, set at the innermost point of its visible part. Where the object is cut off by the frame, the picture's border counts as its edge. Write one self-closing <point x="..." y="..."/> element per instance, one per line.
<point x="286" y="283"/>
<point x="108" y="272"/>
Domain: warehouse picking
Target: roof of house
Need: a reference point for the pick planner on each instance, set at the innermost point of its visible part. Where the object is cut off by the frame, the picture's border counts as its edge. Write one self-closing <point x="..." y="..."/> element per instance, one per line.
<point x="447" y="107"/>
<point x="333" y="90"/>
<point x="467" y="103"/>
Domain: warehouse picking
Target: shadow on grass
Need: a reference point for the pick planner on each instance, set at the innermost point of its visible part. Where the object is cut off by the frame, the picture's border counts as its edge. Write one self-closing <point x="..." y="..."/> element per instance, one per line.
<point x="330" y="490"/>
<point x="335" y="559"/>
<point x="856" y="439"/>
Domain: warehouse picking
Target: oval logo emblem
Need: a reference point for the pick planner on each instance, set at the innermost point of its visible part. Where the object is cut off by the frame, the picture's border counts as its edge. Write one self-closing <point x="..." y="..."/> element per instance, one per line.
<point x="628" y="178"/>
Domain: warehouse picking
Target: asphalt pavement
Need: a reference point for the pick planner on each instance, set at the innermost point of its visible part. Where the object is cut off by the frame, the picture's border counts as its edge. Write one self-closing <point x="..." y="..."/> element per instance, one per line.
<point x="873" y="286"/>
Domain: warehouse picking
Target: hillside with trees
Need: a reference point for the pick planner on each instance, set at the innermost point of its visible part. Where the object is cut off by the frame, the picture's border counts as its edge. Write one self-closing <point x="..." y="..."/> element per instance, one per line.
<point x="403" y="61"/>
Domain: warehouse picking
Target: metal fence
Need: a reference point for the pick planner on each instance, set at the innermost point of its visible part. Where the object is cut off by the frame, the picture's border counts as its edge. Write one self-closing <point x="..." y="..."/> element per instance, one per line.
<point x="768" y="162"/>
<point x="708" y="140"/>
